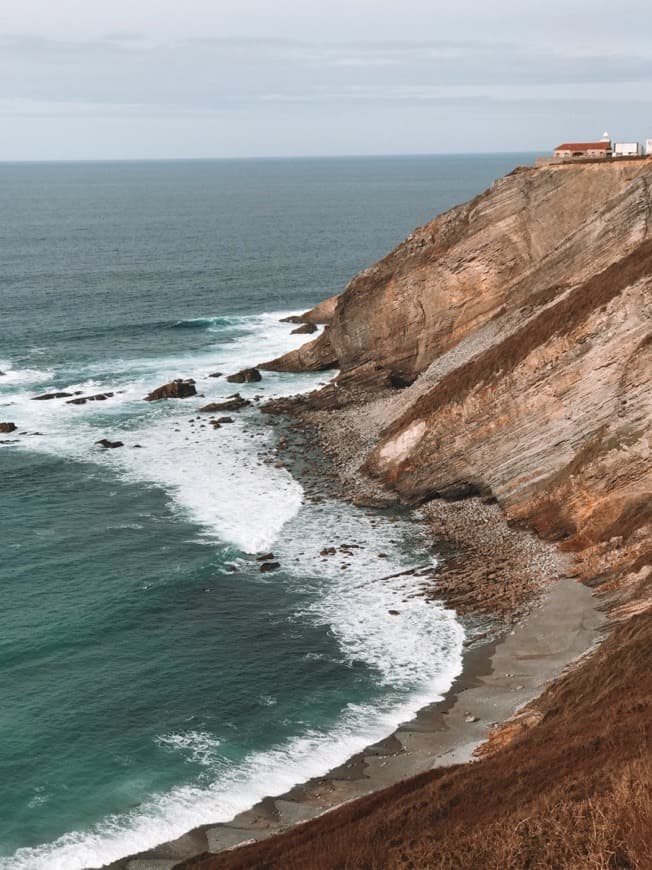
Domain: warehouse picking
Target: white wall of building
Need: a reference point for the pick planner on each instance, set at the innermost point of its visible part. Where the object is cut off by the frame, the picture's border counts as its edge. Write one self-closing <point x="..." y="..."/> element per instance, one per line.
<point x="648" y="147"/>
<point x="626" y="149"/>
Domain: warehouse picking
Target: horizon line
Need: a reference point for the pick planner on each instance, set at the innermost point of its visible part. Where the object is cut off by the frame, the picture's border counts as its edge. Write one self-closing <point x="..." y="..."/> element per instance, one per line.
<point x="207" y="159"/>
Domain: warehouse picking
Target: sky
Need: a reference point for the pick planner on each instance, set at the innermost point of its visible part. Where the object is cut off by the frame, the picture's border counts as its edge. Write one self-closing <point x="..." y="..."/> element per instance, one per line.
<point x="132" y="79"/>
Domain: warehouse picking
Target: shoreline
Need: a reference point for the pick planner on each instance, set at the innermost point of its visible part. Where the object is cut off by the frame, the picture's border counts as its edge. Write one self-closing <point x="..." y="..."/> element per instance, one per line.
<point x="498" y="678"/>
<point x="511" y="653"/>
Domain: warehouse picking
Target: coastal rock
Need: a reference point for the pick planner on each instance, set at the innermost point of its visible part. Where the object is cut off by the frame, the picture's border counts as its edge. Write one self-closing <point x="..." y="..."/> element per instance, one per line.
<point x="321" y="314"/>
<point x="316" y="355"/>
<point x="98" y="397"/>
<point x="8" y="427"/>
<point x="269" y="566"/>
<point x="109" y="445"/>
<point x="233" y="403"/>
<point x="215" y="375"/>
<point x="306" y="329"/>
<point x="246" y="376"/>
<point x="46" y="396"/>
<point x="177" y="389"/>
<point x="221" y="420"/>
<point x="524" y="316"/>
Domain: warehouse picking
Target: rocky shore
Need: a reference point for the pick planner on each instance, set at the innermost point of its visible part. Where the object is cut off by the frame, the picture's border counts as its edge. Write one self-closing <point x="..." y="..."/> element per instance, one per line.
<point x="494" y="371"/>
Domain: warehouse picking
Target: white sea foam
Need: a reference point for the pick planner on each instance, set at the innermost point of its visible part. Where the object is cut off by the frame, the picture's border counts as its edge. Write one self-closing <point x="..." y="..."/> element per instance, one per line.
<point x="273" y="772"/>
<point x="196" y="466"/>
<point x="217" y="479"/>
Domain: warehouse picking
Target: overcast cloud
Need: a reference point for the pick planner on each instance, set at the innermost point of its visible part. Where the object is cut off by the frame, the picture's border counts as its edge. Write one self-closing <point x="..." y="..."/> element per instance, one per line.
<point x="219" y="79"/>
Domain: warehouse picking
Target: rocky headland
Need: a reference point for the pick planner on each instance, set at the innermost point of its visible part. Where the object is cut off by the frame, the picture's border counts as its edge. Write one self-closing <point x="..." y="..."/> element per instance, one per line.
<point x="495" y="369"/>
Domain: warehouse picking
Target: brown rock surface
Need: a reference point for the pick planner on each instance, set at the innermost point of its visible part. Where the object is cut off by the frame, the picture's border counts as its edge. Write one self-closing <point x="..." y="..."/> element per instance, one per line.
<point x="313" y="356"/>
<point x="527" y="314"/>
<point x="306" y="329"/>
<point x="8" y="427"/>
<point x="321" y="314"/>
<point x="177" y="389"/>
<point x="233" y="403"/>
<point x="246" y="376"/>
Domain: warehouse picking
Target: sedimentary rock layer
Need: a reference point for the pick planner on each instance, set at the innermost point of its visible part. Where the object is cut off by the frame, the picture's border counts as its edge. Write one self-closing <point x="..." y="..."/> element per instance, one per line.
<point x="526" y="318"/>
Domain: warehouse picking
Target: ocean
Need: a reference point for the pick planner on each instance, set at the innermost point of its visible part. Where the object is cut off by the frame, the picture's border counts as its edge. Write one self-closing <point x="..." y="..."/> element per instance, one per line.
<point x="152" y="678"/>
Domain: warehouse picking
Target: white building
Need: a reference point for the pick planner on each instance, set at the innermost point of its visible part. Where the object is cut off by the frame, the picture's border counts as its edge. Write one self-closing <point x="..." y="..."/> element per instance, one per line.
<point x="648" y="147"/>
<point x="626" y="149"/>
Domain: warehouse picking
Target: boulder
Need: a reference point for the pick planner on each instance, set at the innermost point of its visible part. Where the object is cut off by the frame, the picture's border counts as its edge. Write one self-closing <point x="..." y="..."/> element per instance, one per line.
<point x="233" y="403"/>
<point x="8" y="427"/>
<point x="177" y="389"/>
<point x="109" y="445"/>
<point x="246" y="376"/>
<point x="269" y="566"/>
<point x="215" y="375"/>
<point x="221" y="420"/>
<point x="267" y="557"/>
<point x="46" y="396"/>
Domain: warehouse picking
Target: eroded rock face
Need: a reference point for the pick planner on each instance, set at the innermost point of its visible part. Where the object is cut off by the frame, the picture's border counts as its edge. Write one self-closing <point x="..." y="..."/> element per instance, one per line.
<point x="306" y="329"/>
<point x="177" y="389"/>
<point x="314" y="356"/>
<point x="527" y="315"/>
<point x="321" y="314"/>
<point x="534" y="230"/>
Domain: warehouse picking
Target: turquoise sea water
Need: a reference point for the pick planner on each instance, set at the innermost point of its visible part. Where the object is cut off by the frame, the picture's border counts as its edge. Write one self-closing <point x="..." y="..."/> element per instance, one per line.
<point x="146" y="686"/>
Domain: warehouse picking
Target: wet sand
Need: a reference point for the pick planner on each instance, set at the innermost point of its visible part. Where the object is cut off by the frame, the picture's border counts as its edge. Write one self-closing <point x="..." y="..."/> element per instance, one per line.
<point x="498" y="678"/>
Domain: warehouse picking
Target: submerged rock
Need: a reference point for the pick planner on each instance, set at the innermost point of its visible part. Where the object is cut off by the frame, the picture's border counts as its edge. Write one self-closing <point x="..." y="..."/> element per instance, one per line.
<point x="98" y="397"/>
<point x="8" y="427"/>
<point x="177" y="389"/>
<point x="46" y="396"/>
<point x="215" y="375"/>
<point x="246" y="376"/>
<point x="109" y="445"/>
<point x="233" y="403"/>
<point x="269" y="566"/>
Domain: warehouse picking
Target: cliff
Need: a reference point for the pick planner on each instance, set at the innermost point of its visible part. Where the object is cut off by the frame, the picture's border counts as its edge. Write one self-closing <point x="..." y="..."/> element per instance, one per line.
<point x="504" y="350"/>
<point x="522" y="321"/>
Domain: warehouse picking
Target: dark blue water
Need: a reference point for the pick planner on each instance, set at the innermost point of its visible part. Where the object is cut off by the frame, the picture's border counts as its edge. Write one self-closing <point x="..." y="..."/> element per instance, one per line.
<point x="152" y="678"/>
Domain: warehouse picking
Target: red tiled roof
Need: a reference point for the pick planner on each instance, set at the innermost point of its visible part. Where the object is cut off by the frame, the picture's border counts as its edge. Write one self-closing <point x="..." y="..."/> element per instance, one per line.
<point x="584" y="146"/>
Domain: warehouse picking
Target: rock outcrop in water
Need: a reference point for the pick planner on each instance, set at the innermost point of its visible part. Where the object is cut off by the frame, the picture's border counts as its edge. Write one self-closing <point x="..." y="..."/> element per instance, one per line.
<point x="246" y="376"/>
<point x="7" y="427"/>
<point x="177" y="389"/>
